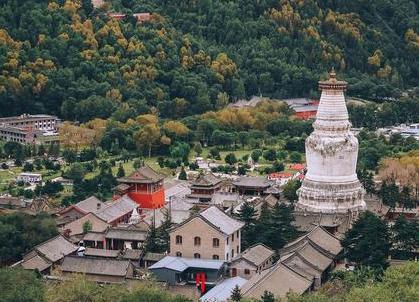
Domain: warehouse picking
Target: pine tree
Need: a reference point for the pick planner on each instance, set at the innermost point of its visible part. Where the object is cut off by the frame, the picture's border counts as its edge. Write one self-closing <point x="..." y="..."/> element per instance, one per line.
<point x="151" y="243"/>
<point x="280" y="229"/>
<point x="267" y="297"/>
<point x="406" y="237"/>
<point x="263" y="222"/>
<point x="121" y="171"/>
<point x="247" y="214"/>
<point x="163" y="233"/>
<point x="182" y="174"/>
<point x="368" y="242"/>
<point x="236" y="294"/>
<point x="389" y="194"/>
<point x="406" y="199"/>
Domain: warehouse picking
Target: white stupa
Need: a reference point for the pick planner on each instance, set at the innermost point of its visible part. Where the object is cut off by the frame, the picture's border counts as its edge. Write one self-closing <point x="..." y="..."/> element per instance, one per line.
<point x="331" y="184"/>
<point x="134" y="218"/>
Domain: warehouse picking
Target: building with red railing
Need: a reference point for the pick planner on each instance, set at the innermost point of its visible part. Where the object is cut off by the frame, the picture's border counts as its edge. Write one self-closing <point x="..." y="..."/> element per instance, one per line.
<point x="144" y="186"/>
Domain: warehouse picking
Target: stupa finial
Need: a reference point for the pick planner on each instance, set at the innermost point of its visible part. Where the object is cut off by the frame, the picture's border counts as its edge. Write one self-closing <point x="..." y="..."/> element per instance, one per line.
<point x="332" y="75"/>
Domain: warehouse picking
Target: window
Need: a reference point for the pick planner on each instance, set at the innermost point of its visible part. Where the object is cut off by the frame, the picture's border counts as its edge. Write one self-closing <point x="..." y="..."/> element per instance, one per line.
<point x="178" y="254"/>
<point x="238" y="235"/>
<point x="197" y="255"/>
<point x="215" y="257"/>
<point x="233" y="272"/>
<point x="227" y="240"/>
<point x="197" y="241"/>
<point x="232" y="237"/>
<point x="237" y="249"/>
<point x="227" y="256"/>
<point x="215" y="242"/>
<point x="246" y="271"/>
<point x="232" y="254"/>
<point x="178" y="239"/>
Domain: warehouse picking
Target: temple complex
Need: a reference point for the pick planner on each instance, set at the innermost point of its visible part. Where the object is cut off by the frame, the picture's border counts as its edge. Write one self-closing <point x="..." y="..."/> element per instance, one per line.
<point x="144" y="186"/>
<point x="331" y="186"/>
<point x="204" y="187"/>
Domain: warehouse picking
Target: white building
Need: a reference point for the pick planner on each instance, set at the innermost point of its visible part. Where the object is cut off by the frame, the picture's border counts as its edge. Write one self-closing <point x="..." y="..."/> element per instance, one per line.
<point x="31" y="178"/>
<point x="331" y="184"/>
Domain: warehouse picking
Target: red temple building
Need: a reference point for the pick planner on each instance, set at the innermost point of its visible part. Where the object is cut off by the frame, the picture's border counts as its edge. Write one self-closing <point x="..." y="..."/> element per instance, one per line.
<point x="144" y="186"/>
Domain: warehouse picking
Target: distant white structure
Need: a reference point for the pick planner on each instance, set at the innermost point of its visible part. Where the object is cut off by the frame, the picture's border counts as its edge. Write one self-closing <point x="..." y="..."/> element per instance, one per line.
<point x="331" y="184"/>
<point x="31" y="178"/>
<point x="411" y="130"/>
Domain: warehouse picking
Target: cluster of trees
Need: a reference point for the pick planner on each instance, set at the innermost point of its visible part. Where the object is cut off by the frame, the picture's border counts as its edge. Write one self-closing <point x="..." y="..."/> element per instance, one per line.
<point x="100" y="185"/>
<point x="19" y="152"/>
<point x="20" y="285"/>
<point x="389" y="113"/>
<point x="373" y="148"/>
<point x="64" y="57"/>
<point x="20" y="232"/>
<point x="398" y="283"/>
<point x="370" y="241"/>
<point x="272" y="227"/>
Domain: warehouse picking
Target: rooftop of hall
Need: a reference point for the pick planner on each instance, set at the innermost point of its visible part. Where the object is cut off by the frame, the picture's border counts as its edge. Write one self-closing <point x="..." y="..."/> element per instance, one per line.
<point x="144" y="174"/>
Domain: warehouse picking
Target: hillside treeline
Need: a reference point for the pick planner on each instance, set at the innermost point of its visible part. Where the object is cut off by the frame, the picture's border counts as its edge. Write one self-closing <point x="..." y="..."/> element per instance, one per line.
<point x="66" y="58"/>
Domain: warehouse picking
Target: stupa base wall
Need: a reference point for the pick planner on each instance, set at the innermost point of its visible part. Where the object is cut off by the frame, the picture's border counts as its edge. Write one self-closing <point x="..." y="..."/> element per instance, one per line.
<point x="320" y="197"/>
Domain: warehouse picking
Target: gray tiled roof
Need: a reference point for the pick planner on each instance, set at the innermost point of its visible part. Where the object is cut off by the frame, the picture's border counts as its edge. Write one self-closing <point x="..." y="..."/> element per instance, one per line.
<point x="96" y="266"/>
<point x="132" y="254"/>
<point x="90" y="205"/>
<point x="125" y="233"/>
<point x="222" y="291"/>
<point x="252" y="181"/>
<point x="56" y="248"/>
<point x="92" y="236"/>
<point x="143" y="174"/>
<point x="318" y="238"/>
<point x="101" y="253"/>
<point x="180" y="264"/>
<point x="36" y="262"/>
<point x="76" y="227"/>
<point x="153" y="256"/>
<point x="221" y="220"/>
<point x="278" y="280"/>
<point x="257" y="254"/>
<point x="115" y="209"/>
<point x="206" y="180"/>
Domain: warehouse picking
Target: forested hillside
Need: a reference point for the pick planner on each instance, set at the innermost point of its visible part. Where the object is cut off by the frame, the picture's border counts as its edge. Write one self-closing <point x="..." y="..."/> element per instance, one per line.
<point x="64" y="57"/>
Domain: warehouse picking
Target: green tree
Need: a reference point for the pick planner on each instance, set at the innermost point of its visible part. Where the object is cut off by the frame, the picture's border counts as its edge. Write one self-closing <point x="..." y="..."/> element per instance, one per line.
<point x="405" y="238"/>
<point x="280" y="228"/>
<point x="389" y="193"/>
<point x="182" y="174"/>
<point x="255" y="155"/>
<point x="290" y="189"/>
<point x="198" y="148"/>
<point x="368" y="242"/>
<point x="230" y="159"/>
<point x="163" y="233"/>
<point x="236" y="294"/>
<point x="121" y="171"/>
<point x="295" y="157"/>
<point x="19" y="285"/>
<point x="269" y="155"/>
<point x="367" y="180"/>
<point x="152" y="243"/>
<point x="247" y="214"/>
<point x="87" y="226"/>
<point x="267" y="297"/>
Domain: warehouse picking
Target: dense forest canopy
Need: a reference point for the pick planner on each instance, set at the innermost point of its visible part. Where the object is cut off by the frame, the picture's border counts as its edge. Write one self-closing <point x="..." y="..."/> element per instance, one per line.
<point x="66" y="58"/>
